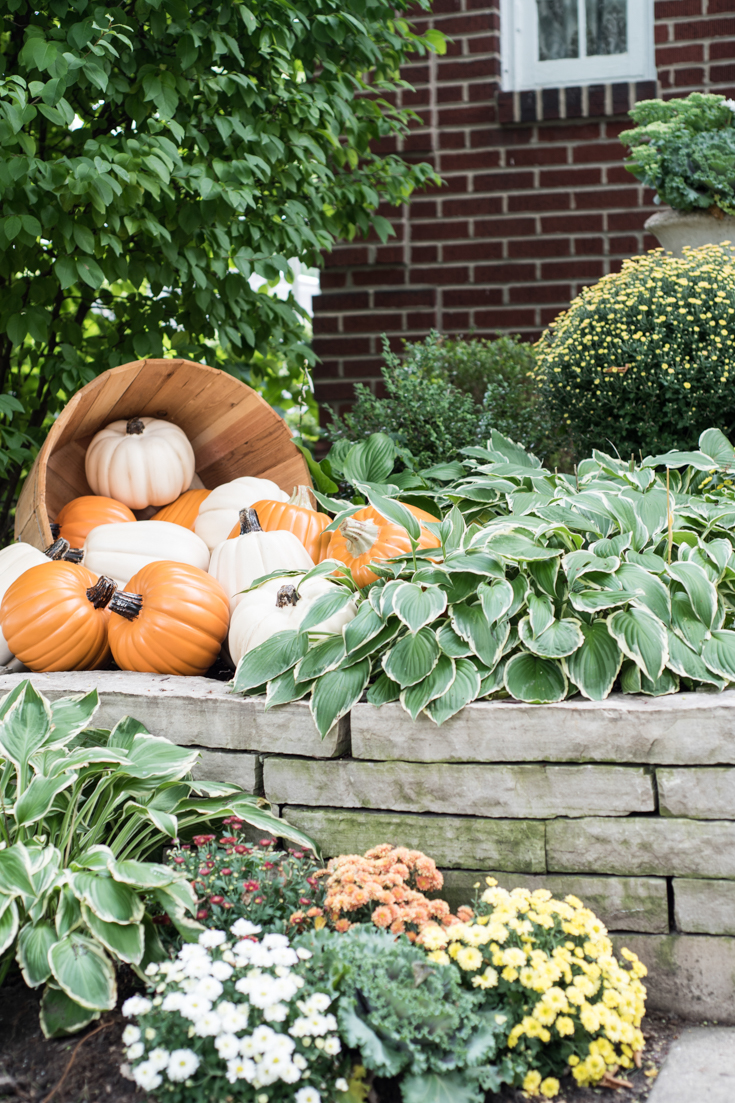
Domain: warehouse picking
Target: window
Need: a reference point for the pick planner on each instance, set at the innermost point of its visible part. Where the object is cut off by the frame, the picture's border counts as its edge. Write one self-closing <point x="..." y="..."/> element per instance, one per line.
<point x="562" y="43"/>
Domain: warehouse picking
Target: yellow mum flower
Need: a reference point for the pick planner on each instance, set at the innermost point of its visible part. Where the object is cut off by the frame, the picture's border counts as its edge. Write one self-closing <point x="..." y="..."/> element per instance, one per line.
<point x="440" y="957"/>
<point x="488" y="979"/>
<point x="469" y="958"/>
<point x="532" y="1082"/>
<point x="549" y="1087"/>
<point x="514" y="956"/>
<point x="565" y="1026"/>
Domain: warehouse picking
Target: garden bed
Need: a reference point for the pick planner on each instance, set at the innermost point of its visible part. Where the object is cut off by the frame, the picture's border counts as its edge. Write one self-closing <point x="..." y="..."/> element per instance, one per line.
<point x="628" y="803"/>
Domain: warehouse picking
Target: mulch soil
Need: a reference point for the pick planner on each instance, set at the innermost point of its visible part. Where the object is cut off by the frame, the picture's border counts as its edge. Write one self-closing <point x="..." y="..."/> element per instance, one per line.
<point x="86" y="1067"/>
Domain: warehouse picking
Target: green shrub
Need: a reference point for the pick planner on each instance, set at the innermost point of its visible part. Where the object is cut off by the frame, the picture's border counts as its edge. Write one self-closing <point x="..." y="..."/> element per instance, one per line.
<point x="644" y="358"/>
<point x="685" y="149"/>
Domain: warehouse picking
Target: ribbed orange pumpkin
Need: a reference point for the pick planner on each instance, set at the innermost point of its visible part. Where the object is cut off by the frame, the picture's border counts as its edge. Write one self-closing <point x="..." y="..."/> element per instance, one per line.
<point x="296" y="516"/>
<point x="172" y="619"/>
<point x="79" y="516"/>
<point x="363" y="538"/>
<point x="184" y="510"/>
<point x="54" y="617"/>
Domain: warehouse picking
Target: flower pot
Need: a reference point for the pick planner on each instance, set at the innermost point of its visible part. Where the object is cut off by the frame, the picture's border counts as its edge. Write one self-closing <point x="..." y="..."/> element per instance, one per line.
<point x="675" y="229"/>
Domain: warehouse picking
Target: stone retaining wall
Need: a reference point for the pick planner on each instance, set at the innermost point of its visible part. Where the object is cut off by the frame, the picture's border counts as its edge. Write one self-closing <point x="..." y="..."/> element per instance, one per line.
<point x="627" y="803"/>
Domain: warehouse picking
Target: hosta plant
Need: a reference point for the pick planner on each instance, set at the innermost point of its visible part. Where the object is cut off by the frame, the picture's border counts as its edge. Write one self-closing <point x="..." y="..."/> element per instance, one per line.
<point x="82" y="810"/>
<point x="545" y="586"/>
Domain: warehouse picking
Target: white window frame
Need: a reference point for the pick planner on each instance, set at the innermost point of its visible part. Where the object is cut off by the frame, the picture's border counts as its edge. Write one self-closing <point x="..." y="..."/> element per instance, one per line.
<point x="521" y="71"/>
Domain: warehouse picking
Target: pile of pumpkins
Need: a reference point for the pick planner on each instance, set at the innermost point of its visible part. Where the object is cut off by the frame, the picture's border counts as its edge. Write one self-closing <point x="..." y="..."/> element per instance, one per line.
<point x="163" y="595"/>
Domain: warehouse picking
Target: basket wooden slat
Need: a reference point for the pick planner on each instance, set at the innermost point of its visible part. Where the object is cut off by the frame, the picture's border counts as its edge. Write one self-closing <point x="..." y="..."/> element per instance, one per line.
<point x="233" y="432"/>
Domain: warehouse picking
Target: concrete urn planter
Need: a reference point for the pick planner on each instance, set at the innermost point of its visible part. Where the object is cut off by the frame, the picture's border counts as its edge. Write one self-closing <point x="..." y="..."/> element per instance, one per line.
<point x="675" y="229"/>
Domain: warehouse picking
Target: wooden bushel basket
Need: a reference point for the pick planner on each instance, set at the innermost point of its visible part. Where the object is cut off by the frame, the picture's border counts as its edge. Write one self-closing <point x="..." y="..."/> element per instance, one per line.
<point x="233" y="432"/>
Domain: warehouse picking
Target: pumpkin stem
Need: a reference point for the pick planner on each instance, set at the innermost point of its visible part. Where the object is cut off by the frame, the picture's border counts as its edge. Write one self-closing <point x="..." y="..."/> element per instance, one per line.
<point x="57" y="550"/>
<point x="55" y="530"/>
<point x="287" y="595"/>
<point x="102" y="592"/>
<point x="74" y="555"/>
<point x="249" y="522"/>
<point x="126" y="605"/>
<point x="135" y="427"/>
<point x="360" y="536"/>
<point x="301" y="497"/>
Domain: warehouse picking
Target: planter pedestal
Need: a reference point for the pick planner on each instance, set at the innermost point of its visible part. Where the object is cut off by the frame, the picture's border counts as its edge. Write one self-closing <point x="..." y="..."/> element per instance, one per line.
<point x="675" y="229"/>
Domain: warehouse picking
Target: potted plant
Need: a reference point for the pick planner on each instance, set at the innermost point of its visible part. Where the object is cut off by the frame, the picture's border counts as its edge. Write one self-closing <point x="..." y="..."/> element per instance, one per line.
<point x="685" y="149"/>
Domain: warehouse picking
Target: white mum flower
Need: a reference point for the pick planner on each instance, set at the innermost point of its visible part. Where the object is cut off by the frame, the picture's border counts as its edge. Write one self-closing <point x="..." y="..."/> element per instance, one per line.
<point x="303" y="953"/>
<point x="242" y="928"/>
<point x="270" y="941"/>
<point x="135" y="1051"/>
<point x="207" y="1025"/>
<point x="248" y="1047"/>
<point x="209" y="987"/>
<point x="284" y="956"/>
<point x="300" y="1061"/>
<point x="332" y="1046"/>
<point x="276" y="1013"/>
<point x="233" y="1018"/>
<point x="130" y="1034"/>
<point x="158" y="1058"/>
<point x="290" y="1073"/>
<point x="263" y="1038"/>
<point x="221" y="970"/>
<point x="210" y="939"/>
<point x="182" y="1064"/>
<point x="145" y="1076"/>
<point x="174" y="1001"/>
<point x="307" y="1095"/>
<point x="136" y="1005"/>
<point x="263" y="991"/>
<point x="194" y="1006"/>
<point x="320" y="1001"/>
<point x="197" y="967"/>
<point x="261" y="956"/>
<point x="227" y="1045"/>
<point x="281" y="1043"/>
<point x="341" y="1085"/>
<point x="240" y="1068"/>
<point x="151" y="969"/>
<point x="730" y="104"/>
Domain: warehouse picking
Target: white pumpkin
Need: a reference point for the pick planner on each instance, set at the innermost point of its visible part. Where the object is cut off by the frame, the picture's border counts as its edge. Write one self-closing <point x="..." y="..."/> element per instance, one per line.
<point x="219" y="513"/>
<point x="275" y="607"/>
<point x="141" y="462"/>
<point x="238" y="562"/>
<point x="120" y="550"/>
<point x="15" y="561"/>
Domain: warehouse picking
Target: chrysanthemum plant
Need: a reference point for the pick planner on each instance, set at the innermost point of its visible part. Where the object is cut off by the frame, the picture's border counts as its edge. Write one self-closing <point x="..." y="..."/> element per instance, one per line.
<point x="82" y="810"/>
<point x="545" y="586"/>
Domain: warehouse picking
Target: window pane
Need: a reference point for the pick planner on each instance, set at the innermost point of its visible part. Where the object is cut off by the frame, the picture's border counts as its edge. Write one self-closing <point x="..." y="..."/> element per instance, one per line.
<point x="558" y="29"/>
<point x="607" y="29"/>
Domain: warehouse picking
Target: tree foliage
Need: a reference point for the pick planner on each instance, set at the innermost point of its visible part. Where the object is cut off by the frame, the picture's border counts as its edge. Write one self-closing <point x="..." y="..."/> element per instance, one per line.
<point x="156" y="154"/>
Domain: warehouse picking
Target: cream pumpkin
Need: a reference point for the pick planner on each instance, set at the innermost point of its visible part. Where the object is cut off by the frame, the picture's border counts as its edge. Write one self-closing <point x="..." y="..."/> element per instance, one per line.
<point x="276" y="607"/>
<point x="15" y="561"/>
<point x="119" y="551"/>
<point x="221" y="510"/>
<point x="237" y="563"/>
<point x="141" y="462"/>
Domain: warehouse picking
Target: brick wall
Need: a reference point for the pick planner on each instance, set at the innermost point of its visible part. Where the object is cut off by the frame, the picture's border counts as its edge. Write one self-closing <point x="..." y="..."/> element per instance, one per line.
<point x="535" y="203"/>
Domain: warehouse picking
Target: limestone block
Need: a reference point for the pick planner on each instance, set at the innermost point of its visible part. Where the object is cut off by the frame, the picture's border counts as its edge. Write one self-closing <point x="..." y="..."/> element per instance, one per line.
<point x="641" y="846"/>
<point x="704" y="907"/>
<point x="699" y="1066"/>
<point x="452" y="841"/>
<point x="193" y="711"/>
<point x="233" y="767"/>
<point x="682" y="729"/>
<point x="622" y="903"/>
<point x="705" y="794"/>
<point x="523" y="792"/>
<point x="688" y="975"/>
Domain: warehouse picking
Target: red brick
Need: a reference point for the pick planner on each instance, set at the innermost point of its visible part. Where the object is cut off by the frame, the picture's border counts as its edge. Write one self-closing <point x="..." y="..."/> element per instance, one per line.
<point x="333" y="392"/>
<point x="423" y="208"/>
<point x="416" y="74"/>
<point x="344" y="346"/>
<point x="674" y="55"/>
<point x="628" y="246"/>
<point x="716" y="6"/>
<point x="721" y="73"/>
<point x="538" y="155"/>
<point x="618" y="174"/>
<point x="484" y="91"/>
<point x="705" y="28"/>
<point x="582" y="132"/>
<point x="462" y="116"/>
<point x="614" y="129"/>
<point x="328" y="280"/>
<point x="421" y="322"/>
<point x="504" y="273"/>
<point x="351" y="300"/>
<point x="404" y="299"/>
<point x="632" y="220"/>
<point x="505" y="227"/>
<point x="570" y="177"/>
<point x="660" y="33"/>
<point x="504" y="181"/>
<point x="575" y="269"/>
<point x="451" y="93"/>
<point x="448" y="185"/>
<point x="424" y="254"/>
<point x="440" y="231"/>
<point x="473" y="296"/>
<point x="572" y="223"/>
<point x="363" y="323"/>
<point x="417" y="99"/>
<point x="418" y="143"/>
<point x="464" y="69"/>
<point x="597" y="151"/>
<point x="539" y="247"/>
<point x="550" y="314"/>
<point x="541" y="293"/>
<point x="362" y="366"/>
<point x="328" y="324"/>
<point x="473" y="250"/>
<point x="485" y="44"/>
<point x="675" y="9"/>
<point x="686" y="77"/>
<point x="606" y="198"/>
<point x="441" y="275"/>
<point x="720" y="50"/>
<point x="480" y="159"/>
<point x="328" y="369"/>
<point x="539" y="201"/>
<point x="389" y="254"/>
<point x="504" y="319"/>
<point x="472" y="206"/>
<point x="347" y="257"/>
<point x="370" y="277"/>
<point x="455" y="322"/>
<point x="589" y="246"/>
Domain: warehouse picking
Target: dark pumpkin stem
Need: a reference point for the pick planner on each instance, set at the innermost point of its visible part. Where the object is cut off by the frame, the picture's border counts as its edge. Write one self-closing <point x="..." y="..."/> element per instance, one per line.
<point x="126" y="605"/>
<point x="102" y="592"/>
<point x="287" y="595"/>
<point x="249" y="522"/>
<point x="55" y="530"/>
<point x="58" y="550"/>
<point x="135" y="426"/>
<point x="74" y="555"/>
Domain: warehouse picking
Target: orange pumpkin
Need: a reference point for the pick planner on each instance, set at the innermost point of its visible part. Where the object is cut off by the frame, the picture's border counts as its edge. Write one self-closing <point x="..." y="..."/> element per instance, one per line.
<point x="79" y="516"/>
<point x="54" y="617"/>
<point x="184" y="510"/>
<point x="363" y="538"/>
<point x="297" y="516"/>
<point x="172" y="619"/>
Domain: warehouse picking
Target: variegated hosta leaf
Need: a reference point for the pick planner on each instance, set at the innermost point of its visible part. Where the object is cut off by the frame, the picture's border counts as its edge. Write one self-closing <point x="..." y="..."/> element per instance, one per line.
<point x="412" y="658"/>
<point x="383" y="690"/>
<point x="642" y="637"/>
<point x="594" y="666"/>
<point x="561" y="638"/>
<point x="535" y="680"/>
<point x="416" y="606"/>
<point x="487" y="641"/>
<point x="688" y="663"/>
<point x="436" y="684"/>
<point x="461" y="692"/>
<point x="336" y="692"/>
<point x="700" y="591"/>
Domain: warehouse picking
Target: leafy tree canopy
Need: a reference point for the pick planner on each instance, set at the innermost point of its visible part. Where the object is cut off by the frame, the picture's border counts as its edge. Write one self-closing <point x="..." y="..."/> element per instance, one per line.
<point x="154" y="155"/>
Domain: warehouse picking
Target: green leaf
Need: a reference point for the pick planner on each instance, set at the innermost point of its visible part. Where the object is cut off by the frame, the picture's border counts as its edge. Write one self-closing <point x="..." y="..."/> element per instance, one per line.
<point x="36" y="939"/>
<point x="378" y="1056"/>
<point x="25" y="726"/>
<point x="449" y="1087"/>
<point x="667" y="683"/>
<point x="394" y="511"/>
<point x="70" y="715"/>
<point x="364" y="627"/>
<point x="718" y="653"/>
<point x="269" y="659"/>
<point x="535" y="680"/>
<point x="438" y="42"/>
<point x="113" y="901"/>
<point x="578" y="563"/>
<point x="383" y="690"/>
<point x="487" y="641"/>
<point x="452" y="644"/>
<point x="125" y="941"/>
<point x="319" y="659"/>
<point x="153" y="756"/>
<point x="66" y="272"/>
<point x="8" y="925"/>
<point x="83" y="970"/>
<point x="417" y="607"/>
<point x="62" y="1015"/>
<point x="37" y="799"/>
<point x="715" y="444"/>
<point x="412" y="658"/>
<point x="464" y="689"/>
<point x="700" y="591"/>
<point x="436" y="684"/>
<point x="688" y="663"/>
<point x="325" y="606"/>
<point x="648" y="588"/>
<point x="496" y="598"/>
<point x="90" y="272"/>
<point x="642" y="637"/>
<point x="541" y="613"/>
<point x="336" y="692"/>
<point x="284" y="689"/>
<point x="520" y="548"/>
<point x="592" y="601"/>
<point x="595" y="665"/>
<point x="560" y="639"/>
<point x="370" y="461"/>
<point x="143" y="875"/>
<point x="15" y="871"/>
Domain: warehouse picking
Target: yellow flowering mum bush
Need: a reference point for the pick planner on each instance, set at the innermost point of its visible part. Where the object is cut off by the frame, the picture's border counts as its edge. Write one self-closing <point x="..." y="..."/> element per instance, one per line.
<point x="645" y="358"/>
<point x="549" y="967"/>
